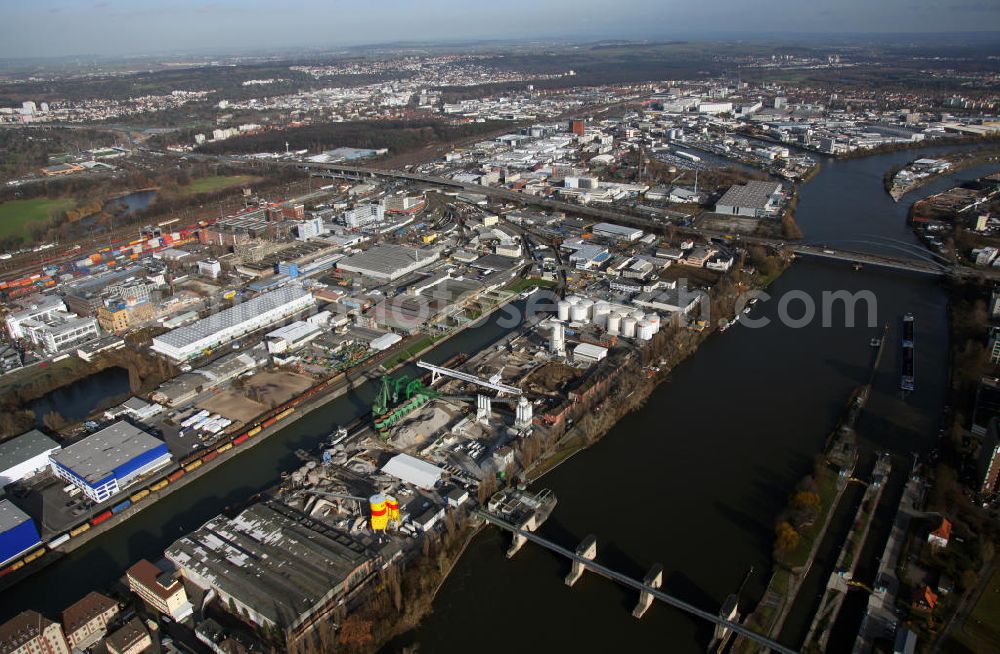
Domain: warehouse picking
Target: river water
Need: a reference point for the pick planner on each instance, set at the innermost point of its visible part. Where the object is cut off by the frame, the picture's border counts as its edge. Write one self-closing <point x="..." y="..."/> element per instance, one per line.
<point x="694" y="480"/>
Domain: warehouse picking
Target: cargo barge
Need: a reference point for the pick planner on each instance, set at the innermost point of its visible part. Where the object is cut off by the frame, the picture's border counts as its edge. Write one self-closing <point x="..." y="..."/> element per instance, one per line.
<point x="906" y="381"/>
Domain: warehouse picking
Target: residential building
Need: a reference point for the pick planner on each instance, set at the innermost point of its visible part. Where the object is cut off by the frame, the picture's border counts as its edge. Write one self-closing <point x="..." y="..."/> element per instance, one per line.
<point x="86" y="621"/>
<point x="30" y="632"/>
<point x="162" y="591"/>
<point x="132" y="638"/>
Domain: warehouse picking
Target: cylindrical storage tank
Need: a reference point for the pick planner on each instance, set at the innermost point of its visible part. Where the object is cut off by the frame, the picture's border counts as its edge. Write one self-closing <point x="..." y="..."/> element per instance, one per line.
<point x="392" y="506"/>
<point x="628" y="327"/>
<point x="578" y="313"/>
<point x="638" y="314"/>
<point x="588" y="305"/>
<point x="562" y="310"/>
<point x="614" y="323"/>
<point x="645" y="332"/>
<point x="380" y="514"/>
<point x="654" y="320"/>
<point x="573" y="299"/>
<point x="601" y="308"/>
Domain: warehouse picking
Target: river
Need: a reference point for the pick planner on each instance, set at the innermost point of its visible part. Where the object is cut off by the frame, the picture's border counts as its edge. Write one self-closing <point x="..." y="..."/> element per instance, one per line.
<point x="77" y="400"/>
<point x="694" y="480"/>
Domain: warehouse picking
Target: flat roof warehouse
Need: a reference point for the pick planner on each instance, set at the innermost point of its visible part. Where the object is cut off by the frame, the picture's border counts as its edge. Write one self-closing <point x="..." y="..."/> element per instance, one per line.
<point x="99" y="455"/>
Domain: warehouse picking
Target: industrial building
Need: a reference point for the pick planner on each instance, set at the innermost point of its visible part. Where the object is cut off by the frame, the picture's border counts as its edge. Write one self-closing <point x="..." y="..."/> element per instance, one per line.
<point x="24" y="456"/>
<point x="413" y="471"/>
<point x="107" y="462"/>
<point x="291" y="337"/>
<point x="218" y="329"/>
<point x="186" y="386"/>
<point x="754" y="199"/>
<point x="616" y="232"/>
<point x="17" y="532"/>
<point x="276" y="565"/>
<point x="388" y="262"/>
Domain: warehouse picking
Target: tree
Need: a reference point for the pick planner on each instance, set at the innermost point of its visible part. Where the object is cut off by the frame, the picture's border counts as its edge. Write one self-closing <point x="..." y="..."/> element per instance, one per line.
<point x="805" y="500"/>
<point x="787" y="539"/>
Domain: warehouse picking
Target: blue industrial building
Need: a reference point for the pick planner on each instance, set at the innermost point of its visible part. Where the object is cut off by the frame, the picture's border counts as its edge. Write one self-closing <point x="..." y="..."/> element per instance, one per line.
<point x="109" y="461"/>
<point x="17" y="532"/>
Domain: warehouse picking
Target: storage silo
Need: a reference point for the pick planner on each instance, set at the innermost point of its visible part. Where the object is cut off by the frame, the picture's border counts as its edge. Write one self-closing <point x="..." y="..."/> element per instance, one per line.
<point x="638" y="314"/>
<point x="645" y="332"/>
<point x="628" y="327"/>
<point x="578" y="313"/>
<point x="653" y="319"/>
<point x="614" y="323"/>
<point x="562" y="310"/>
<point x="589" y="306"/>
<point x="380" y="514"/>
<point x="392" y="508"/>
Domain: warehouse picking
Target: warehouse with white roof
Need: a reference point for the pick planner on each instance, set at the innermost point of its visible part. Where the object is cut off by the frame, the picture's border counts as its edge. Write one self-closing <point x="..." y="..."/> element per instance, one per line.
<point x="388" y="262"/>
<point x="218" y="329"/>
<point x="413" y="471"/>
<point x="109" y="461"/>
<point x="24" y="456"/>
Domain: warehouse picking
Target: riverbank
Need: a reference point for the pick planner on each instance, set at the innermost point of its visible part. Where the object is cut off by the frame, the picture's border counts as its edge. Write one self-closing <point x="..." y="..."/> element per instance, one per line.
<point x="957" y="161"/>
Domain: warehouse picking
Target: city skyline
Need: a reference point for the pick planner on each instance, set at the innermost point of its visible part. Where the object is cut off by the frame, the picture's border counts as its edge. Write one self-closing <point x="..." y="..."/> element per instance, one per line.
<point x="56" y="28"/>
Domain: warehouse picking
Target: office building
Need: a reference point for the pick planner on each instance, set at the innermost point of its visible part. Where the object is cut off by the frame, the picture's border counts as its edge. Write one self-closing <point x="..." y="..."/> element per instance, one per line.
<point x="161" y="591"/>
<point x="41" y="309"/>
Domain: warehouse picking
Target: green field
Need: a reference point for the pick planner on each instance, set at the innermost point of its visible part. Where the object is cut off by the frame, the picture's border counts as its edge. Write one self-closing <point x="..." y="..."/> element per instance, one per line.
<point x="16" y="215"/>
<point x="216" y="183"/>
<point x="981" y="631"/>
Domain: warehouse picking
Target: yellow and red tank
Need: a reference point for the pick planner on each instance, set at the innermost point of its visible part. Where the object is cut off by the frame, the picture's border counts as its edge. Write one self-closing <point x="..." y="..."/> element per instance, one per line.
<point x="380" y="514"/>
<point x="392" y="505"/>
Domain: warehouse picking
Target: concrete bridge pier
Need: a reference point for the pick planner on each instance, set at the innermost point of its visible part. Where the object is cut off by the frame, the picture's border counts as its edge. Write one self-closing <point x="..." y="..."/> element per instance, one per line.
<point x="587" y="549"/>
<point x="515" y="545"/>
<point x="653" y="579"/>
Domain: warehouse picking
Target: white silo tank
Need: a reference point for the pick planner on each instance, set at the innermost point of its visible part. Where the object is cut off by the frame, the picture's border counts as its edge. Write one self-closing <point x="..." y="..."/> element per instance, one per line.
<point x="628" y="327"/>
<point x="589" y="306"/>
<point x="573" y="299"/>
<point x="638" y="314"/>
<point x="614" y="323"/>
<point x="646" y="331"/>
<point x="562" y="310"/>
<point x="653" y="319"/>
<point x="578" y="313"/>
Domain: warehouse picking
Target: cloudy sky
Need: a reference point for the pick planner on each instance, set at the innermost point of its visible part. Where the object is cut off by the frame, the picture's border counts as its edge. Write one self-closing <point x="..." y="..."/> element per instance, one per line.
<point x="33" y="28"/>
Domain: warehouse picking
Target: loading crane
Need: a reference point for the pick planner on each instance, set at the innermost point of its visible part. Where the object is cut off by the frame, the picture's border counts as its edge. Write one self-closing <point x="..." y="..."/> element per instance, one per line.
<point x="396" y="398"/>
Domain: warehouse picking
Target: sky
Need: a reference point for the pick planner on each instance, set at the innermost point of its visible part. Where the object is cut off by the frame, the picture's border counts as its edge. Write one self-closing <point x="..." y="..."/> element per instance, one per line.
<point x="40" y="28"/>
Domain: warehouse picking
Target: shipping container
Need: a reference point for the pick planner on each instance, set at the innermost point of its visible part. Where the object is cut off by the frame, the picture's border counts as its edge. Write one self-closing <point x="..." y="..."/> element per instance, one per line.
<point x="208" y="457"/>
<point x="174" y="476"/>
<point x="241" y="439"/>
<point x="159" y="485"/>
<point x="121" y="506"/>
<point x="227" y="446"/>
<point x="34" y="555"/>
<point x="253" y="432"/>
<point x="192" y="466"/>
<point x="79" y="530"/>
<point x="56" y="542"/>
<point x="96" y="520"/>
<point x="139" y="496"/>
